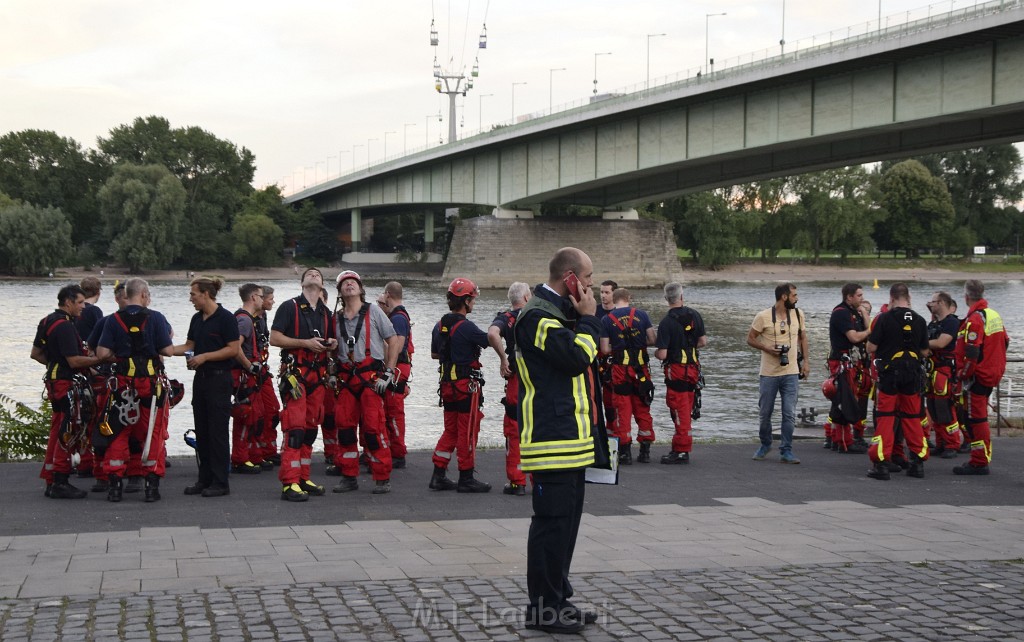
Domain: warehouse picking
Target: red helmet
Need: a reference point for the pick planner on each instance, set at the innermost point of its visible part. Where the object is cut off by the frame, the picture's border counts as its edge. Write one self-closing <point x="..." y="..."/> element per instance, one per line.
<point x="463" y="287"/>
<point x="348" y="274"/>
<point x="828" y="388"/>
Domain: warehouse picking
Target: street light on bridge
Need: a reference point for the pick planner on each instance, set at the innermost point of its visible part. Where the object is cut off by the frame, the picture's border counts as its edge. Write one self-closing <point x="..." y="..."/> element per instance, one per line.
<point x="604" y="53"/>
<point x="647" y="85"/>
<point x="708" y="16"/>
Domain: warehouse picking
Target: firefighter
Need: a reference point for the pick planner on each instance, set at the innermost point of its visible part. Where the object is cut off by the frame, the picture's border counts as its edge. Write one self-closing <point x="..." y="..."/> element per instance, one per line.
<point x="247" y="409"/>
<point x="942" y="333"/>
<point x="625" y="334"/>
<point x="58" y="346"/>
<point x="980" y="362"/>
<point x="680" y="335"/>
<point x="303" y="331"/>
<point x="390" y="301"/>
<point x="134" y="339"/>
<point x="503" y="328"/>
<point x="899" y="341"/>
<point x="456" y="342"/>
<point x="367" y="354"/>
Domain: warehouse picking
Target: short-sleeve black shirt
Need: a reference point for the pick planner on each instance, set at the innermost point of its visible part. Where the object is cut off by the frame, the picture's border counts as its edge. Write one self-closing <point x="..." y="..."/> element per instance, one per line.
<point x="673" y="335"/>
<point x="212" y="334"/>
<point x="890" y="337"/>
<point x="308" y="319"/>
<point x="57" y="336"/>
<point x="843" y="319"/>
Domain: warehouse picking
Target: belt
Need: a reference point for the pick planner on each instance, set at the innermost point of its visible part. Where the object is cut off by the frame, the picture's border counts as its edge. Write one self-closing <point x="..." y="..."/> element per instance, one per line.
<point x="219" y="372"/>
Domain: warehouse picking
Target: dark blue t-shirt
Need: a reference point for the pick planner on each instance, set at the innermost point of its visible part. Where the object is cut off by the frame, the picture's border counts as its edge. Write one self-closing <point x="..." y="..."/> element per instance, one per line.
<point x="635" y="332"/>
<point x="466" y="342"/>
<point x="212" y="334"/>
<point x="156" y="330"/>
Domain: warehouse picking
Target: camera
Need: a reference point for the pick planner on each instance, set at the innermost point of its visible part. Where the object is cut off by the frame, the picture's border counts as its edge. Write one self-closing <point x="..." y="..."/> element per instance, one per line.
<point x="783" y="355"/>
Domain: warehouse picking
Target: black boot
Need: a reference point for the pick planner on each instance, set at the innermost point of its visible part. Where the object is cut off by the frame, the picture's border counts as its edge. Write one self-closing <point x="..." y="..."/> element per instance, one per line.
<point x="439" y="480"/>
<point x="645" y="453"/>
<point x="114" y="488"/>
<point x="880" y="471"/>
<point x="828" y="443"/>
<point x="626" y="455"/>
<point x="916" y="468"/>
<point x="152" y="488"/>
<point x="62" y="489"/>
<point x="469" y="484"/>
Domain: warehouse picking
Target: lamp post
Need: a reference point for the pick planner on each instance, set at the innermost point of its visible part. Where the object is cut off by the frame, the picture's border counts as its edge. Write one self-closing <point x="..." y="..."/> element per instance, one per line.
<point x="340" y="152"/>
<point x="304" y="170"/>
<point x="354" y="155"/>
<point x="295" y="183"/>
<point x="405" y="137"/>
<point x="316" y="172"/>
<point x="708" y="16"/>
<point x="782" y="40"/>
<point x="551" y="76"/>
<point x="647" y="85"/>
<point x="604" y="53"/>
<point x="386" y="143"/>
<point x="514" y="100"/>
<point x="480" y="109"/>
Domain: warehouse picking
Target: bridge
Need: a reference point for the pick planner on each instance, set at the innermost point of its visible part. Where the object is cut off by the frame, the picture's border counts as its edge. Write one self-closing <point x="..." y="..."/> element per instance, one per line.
<point x="950" y="80"/>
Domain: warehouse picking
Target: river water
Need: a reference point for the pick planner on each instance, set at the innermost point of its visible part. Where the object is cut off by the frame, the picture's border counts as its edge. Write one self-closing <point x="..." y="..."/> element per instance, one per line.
<point x="730" y="366"/>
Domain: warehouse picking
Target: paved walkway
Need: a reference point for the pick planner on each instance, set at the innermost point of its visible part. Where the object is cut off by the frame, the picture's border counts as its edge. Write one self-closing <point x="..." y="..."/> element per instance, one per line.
<point x="738" y="567"/>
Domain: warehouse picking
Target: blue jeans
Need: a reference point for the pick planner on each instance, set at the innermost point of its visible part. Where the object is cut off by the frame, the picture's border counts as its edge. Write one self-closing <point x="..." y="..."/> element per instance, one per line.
<point x="771" y="387"/>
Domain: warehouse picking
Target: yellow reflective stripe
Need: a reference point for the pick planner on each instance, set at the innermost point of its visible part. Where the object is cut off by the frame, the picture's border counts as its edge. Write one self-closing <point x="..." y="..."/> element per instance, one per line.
<point x="587" y="343"/>
<point x="526" y="401"/>
<point x="131" y="367"/>
<point x="581" y="406"/>
<point x="554" y="463"/>
<point x="541" y="336"/>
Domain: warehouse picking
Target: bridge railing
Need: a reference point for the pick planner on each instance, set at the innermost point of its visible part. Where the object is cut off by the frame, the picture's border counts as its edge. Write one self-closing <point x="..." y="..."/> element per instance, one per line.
<point x="896" y="26"/>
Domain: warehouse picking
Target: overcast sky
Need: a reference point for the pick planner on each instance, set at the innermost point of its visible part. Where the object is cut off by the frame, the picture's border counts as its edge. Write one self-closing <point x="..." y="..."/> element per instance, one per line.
<point x="305" y="85"/>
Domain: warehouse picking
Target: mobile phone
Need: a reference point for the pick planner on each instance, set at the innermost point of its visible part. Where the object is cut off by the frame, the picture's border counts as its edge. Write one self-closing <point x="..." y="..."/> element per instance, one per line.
<point x="572" y="282"/>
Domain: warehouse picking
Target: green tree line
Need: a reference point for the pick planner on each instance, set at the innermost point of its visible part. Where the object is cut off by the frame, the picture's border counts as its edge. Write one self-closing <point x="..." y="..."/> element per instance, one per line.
<point x="943" y="204"/>
<point x="150" y="196"/>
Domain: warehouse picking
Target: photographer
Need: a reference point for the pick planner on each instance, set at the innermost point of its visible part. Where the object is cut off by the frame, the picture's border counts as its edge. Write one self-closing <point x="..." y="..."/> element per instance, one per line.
<point x="780" y="334"/>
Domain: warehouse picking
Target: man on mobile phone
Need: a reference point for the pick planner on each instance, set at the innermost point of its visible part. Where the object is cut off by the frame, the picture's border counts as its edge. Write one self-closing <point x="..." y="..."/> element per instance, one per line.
<point x="556" y="338"/>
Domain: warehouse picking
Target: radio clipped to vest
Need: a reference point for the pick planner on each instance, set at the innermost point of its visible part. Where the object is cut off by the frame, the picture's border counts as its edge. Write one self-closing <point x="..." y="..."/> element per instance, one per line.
<point x="289" y="385"/>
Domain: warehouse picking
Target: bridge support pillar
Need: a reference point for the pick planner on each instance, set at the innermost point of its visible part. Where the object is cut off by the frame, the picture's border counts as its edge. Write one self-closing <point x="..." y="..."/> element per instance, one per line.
<point x="357" y="228"/>
<point x="501" y="212"/>
<point x="621" y="215"/>
<point x="428" y="231"/>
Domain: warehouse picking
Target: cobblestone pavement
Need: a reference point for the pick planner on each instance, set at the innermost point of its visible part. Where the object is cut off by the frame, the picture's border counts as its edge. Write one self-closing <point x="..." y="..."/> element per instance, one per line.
<point x="968" y="601"/>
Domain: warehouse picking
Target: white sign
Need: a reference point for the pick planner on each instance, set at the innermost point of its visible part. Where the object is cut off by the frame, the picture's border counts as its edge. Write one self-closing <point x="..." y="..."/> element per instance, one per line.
<point x="979" y="249"/>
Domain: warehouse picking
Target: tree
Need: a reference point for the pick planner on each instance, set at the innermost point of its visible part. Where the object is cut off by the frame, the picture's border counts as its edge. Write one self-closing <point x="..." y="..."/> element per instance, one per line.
<point x="919" y="208"/>
<point x="832" y="212"/>
<point x="41" y="168"/>
<point x="33" y="240"/>
<point x="706" y="225"/>
<point x="760" y="203"/>
<point x="216" y="175"/>
<point x="315" y="240"/>
<point x="257" y="240"/>
<point x="143" y="208"/>
<point x="981" y="181"/>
